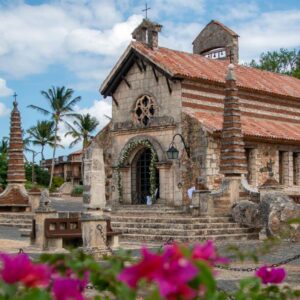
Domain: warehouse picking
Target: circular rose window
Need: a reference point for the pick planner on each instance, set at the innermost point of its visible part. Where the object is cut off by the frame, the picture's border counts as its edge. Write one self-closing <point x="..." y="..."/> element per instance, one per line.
<point x="144" y="110"/>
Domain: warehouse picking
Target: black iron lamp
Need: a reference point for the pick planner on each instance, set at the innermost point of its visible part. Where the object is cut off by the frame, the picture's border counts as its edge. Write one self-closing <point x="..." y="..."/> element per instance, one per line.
<point x="173" y="152"/>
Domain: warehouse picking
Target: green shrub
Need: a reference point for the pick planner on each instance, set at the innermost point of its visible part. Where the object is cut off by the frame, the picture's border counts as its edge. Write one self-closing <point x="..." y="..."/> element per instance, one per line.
<point x="3" y="170"/>
<point x="57" y="182"/>
<point x="77" y="191"/>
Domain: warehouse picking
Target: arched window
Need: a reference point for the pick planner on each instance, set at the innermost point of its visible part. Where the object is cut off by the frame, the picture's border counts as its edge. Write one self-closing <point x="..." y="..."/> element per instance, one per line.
<point x="144" y="110"/>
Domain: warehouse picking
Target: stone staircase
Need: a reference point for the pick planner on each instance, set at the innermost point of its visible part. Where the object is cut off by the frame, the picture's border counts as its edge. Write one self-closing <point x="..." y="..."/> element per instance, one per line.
<point x="23" y="221"/>
<point x="157" y="224"/>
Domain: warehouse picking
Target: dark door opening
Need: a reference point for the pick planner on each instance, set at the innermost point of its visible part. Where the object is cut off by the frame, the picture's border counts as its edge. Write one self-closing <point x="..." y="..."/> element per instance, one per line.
<point x="143" y="177"/>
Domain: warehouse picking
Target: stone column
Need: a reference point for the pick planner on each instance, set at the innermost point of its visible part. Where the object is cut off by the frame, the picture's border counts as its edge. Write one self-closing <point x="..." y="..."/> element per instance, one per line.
<point x="164" y="181"/>
<point x="287" y="168"/>
<point x="233" y="159"/>
<point x="94" y="239"/>
<point x="253" y="167"/>
<point x="297" y="161"/>
<point x="94" y="178"/>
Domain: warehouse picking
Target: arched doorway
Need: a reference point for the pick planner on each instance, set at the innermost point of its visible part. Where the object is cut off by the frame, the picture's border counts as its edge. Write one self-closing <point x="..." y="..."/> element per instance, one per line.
<point x="141" y="177"/>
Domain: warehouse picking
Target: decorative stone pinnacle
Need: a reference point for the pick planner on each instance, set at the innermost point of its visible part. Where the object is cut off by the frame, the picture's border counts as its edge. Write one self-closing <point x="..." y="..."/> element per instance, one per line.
<point x="230" y="72"/>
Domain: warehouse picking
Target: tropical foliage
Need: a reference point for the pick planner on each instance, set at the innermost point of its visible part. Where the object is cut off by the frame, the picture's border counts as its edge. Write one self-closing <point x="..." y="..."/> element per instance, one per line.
<point x="61" y="104"/>
<point x="42" y="134"/>
<point x="81" y="130"/>
<point x="283" y="61"/>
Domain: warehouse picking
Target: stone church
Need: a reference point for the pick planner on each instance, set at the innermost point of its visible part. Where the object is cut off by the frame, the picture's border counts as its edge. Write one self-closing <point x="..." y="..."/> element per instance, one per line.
<point x="169" y="126"/>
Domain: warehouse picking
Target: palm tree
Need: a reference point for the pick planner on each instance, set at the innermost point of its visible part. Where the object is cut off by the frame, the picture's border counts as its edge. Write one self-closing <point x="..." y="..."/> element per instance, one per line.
<point x="42" y="134"/>
<point x="61" y="105"/>
<point x="81" y="130"/>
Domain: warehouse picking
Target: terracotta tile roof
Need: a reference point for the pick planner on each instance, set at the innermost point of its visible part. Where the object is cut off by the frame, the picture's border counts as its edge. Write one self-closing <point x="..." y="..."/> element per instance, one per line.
<point x="252" y="127"/>
<point x="193" y="66"/>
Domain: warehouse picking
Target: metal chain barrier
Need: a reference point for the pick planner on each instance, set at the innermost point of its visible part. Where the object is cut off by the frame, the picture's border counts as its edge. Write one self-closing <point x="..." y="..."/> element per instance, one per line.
<point x="100" y="228"/>
<point x="281" y="263"/>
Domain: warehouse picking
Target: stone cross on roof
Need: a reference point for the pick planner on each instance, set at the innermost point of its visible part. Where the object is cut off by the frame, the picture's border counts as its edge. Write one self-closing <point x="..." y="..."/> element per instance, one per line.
<point x="146" y="10"/>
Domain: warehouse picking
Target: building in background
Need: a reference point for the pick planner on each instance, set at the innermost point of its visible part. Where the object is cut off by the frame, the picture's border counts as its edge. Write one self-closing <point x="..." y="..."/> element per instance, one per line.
<point x="67" y="167"/>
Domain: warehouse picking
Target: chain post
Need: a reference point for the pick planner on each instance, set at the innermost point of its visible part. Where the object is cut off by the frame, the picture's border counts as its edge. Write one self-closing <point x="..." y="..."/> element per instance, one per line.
<point x="100" y="228"/>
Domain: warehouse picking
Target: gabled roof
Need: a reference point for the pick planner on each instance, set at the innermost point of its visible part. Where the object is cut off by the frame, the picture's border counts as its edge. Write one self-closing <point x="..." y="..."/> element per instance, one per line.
<point x="227" y="29"/>
<point x="183" y="65"/>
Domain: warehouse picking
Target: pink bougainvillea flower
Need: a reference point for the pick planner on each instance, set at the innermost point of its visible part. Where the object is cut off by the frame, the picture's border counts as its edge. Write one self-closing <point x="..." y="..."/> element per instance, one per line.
<point x="175" y="273"/>
<point x="19" y="268"/>
<point x="68" y="288"/>
<point x="208" y="253"/>
<point x="271" y="275"/>
<point x="149" y="264"/>
<point x="171" y="271"/>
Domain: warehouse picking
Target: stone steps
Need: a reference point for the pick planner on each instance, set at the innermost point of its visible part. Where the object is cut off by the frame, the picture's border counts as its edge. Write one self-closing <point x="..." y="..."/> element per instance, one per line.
<point x="22" y="221"/>
<point x="121" y="225"/>
<point x="181" y="232"/>
<point x="164" y="238"/>
<point x="158" y="224"/>
<point x="166" y="219"/>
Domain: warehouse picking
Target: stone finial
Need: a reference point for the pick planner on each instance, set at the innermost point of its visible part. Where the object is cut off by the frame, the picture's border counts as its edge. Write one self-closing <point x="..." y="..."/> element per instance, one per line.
<point x="45" y="202"/>
<point x="230" y="73"/>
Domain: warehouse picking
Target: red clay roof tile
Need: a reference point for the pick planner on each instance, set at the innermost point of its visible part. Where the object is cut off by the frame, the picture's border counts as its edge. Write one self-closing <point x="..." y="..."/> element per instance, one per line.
<point x="194" y="66"/>
<point x="253" y="127"/>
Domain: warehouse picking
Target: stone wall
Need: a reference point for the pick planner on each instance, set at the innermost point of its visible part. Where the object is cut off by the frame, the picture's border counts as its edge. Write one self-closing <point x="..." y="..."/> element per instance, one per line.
<point x="161" y="129"/>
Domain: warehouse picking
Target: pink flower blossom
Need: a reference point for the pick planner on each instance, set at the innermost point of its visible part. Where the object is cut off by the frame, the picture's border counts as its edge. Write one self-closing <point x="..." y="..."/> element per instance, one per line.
<point x="171" y="271"/>
<point x="174" y="274"/>
<point x="271" y="275"/>
<point x="65" y="288"/>
<point x="208" y="253"/>
<point x="19" y="268"/>
<point x="148" y="265"/>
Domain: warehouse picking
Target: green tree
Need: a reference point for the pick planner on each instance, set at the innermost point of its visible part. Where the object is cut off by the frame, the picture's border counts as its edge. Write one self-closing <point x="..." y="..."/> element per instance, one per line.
<point x="81" y="129"/>
<point x="4" y="145"/>
<point x="61" y="105"/>
<point x="3" y="160"/>
<point x="42" y="134"/>
<point x="283" y="61"/>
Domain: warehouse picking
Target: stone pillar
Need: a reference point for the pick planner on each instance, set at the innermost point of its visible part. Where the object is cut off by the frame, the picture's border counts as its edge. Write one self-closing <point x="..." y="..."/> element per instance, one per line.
<point x="94" y="229"/>
<point x="297" y="161"/>
<point x="233" y="159"/>
<point x="253" y="178"/>
<point x="44" y="211"/>
<point x="94" y="240"/>
<point x="165" y="176"/>
<point x="287" y="168"/>
<point x="34" y="198"/>
<point x="94" y="178"/>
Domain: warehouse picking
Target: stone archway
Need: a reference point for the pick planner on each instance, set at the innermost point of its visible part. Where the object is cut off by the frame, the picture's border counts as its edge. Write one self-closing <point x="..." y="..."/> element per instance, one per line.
<point x="127" y="169"/>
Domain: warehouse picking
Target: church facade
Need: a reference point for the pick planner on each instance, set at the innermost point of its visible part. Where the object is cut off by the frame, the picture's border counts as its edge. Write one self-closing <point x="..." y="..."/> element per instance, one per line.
<point x="163" y="99"/>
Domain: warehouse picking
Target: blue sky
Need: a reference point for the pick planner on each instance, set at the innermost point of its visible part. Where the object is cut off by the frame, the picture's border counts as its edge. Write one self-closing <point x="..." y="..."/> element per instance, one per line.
<point x="76" y="42"/>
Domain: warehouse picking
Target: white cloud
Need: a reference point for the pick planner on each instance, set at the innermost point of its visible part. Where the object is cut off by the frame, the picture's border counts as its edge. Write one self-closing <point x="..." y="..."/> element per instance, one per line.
<point x="4" y="90"/>
<point x="63" y="32"/>
<point x="266" y="33"/>
<point x="3" y="110"/>
<point x="238" y="11"/>
<point x="100" y="109"/>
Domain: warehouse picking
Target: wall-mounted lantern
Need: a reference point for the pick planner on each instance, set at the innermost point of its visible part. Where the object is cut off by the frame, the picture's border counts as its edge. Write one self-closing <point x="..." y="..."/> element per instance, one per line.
<point x="173" y="152"/>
